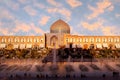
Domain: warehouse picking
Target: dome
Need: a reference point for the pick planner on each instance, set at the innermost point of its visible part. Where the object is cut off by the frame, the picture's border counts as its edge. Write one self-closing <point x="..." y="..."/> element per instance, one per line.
<point x="60" y="27"/>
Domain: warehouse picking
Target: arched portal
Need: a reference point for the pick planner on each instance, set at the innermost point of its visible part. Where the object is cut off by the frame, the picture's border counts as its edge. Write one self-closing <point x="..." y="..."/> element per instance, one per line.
<point x="10" y="46"/>
<point x="91" y="46"/>
<point x="35" y="46"/>
<point x="110" y="46"/>
<point x="53" y="41"/>
<point x="85" y="46"/>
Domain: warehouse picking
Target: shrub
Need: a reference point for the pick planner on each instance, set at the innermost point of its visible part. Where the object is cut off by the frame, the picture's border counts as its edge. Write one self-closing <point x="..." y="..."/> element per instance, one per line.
<point x="109" y="68"/>
<point x="95" y="67"/>
<point x="83" y="68"/>
<point x="69" y="68"/>
<point x="118" y="65"/>
<point x="39" y="68"/>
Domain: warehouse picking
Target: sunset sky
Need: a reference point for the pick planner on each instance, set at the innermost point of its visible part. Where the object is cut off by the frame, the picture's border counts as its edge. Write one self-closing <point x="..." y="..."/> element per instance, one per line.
<point x="34" y="17"/>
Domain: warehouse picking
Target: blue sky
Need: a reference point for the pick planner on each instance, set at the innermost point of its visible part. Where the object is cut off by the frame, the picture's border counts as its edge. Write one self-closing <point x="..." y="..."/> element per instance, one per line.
<point x="34" y="17"/>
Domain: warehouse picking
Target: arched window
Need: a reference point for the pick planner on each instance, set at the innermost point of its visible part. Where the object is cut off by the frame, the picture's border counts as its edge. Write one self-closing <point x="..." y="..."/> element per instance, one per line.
<point x="70" y="39"/>
<point x="97" y="39"/>
<point x="91" y="39"/>
<point x="35" y="39"/>
<point x="77" y="40"/>
<point x="30" y="39"/>
<point x="67" y="40"/>
<point x="104" y="40"/>
<point x="110" y="39"/>
<point x="22" y="39"/>
<point x="118" y="40"/>
<point x="16" y="40"/>
<point x="86" y="39"/>
<point x="41" y="40"/>
<point x="3" y="40"/>
<point x="73" y="39"/>
<point x="80" y="39"/>
<point x="9" y="39"/>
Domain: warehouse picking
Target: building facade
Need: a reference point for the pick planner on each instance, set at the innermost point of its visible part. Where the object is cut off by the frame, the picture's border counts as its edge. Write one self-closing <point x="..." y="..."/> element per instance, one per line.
<point x="59" y="36"/>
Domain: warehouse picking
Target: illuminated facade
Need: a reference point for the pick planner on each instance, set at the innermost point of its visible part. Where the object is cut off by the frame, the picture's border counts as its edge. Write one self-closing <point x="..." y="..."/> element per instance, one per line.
<point x="21" y="42"/>
<point x="59" y="35"/>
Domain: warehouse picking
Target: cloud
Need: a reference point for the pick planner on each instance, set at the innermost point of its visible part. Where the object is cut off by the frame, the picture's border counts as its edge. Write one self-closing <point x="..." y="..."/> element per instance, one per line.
<point x="29" y="10"/>
<point x="117" y="15"/>
<point x="100" y="27"/>
<point x="23" y="27"/>
<point x="109" y="30"/>
<point x="63" y="11"/>
<point x="74" y="3"/>
<point x="74" y="32"/>
<point x="92" y="26"/>
<point x="54" y="3"/>
<point x="11" y="4"/>
<point x="24" y="1"/>
<point x="115" y="1"/>
<point x="111" y="8"/>
<point x="5" y="31"/>
<point x="36" y="29"/>
<point x="5" y="14"/>
<point x="0" y="23"/>
<point x="44" y="20"/>
<point x="39" y="5"/>
<point x="100" y="9"/>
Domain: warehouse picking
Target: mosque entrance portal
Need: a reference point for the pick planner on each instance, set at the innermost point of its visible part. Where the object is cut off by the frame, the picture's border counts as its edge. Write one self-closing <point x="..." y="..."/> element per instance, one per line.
<point x="54" y="41"/>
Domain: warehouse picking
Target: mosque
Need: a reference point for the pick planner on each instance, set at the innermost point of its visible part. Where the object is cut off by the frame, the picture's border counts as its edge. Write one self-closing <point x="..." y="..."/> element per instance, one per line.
<point x="59" y="36"/>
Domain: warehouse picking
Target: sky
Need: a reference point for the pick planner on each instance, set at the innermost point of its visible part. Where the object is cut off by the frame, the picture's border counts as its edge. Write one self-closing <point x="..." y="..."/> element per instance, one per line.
<point x="34" y="17"/>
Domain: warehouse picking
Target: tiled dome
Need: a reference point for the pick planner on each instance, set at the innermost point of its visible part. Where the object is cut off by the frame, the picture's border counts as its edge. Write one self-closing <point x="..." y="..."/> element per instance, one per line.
<point x="60" y="27"/>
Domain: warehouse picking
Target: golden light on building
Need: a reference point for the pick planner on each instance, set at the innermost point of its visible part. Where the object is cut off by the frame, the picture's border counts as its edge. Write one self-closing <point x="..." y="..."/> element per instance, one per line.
<point x="59" y="36"/>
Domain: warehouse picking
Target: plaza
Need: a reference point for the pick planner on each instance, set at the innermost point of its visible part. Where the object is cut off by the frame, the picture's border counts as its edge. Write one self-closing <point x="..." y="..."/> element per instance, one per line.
<point x="59" y="54"/>
<point x="34" y="69"/>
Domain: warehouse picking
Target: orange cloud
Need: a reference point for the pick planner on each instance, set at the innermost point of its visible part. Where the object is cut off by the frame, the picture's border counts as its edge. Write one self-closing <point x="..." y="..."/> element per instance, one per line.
<point x="36" y="29"/>
<point x="5" y="31"/>
<point x="99" y="25"/>
<point x="44" y="20"/>
<point x="74" y="3"/>
<point x="21" y="27"/>
<point x="108" y="30"/>
<point x="91" y="27"/>
<point x="101" y="7"/>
